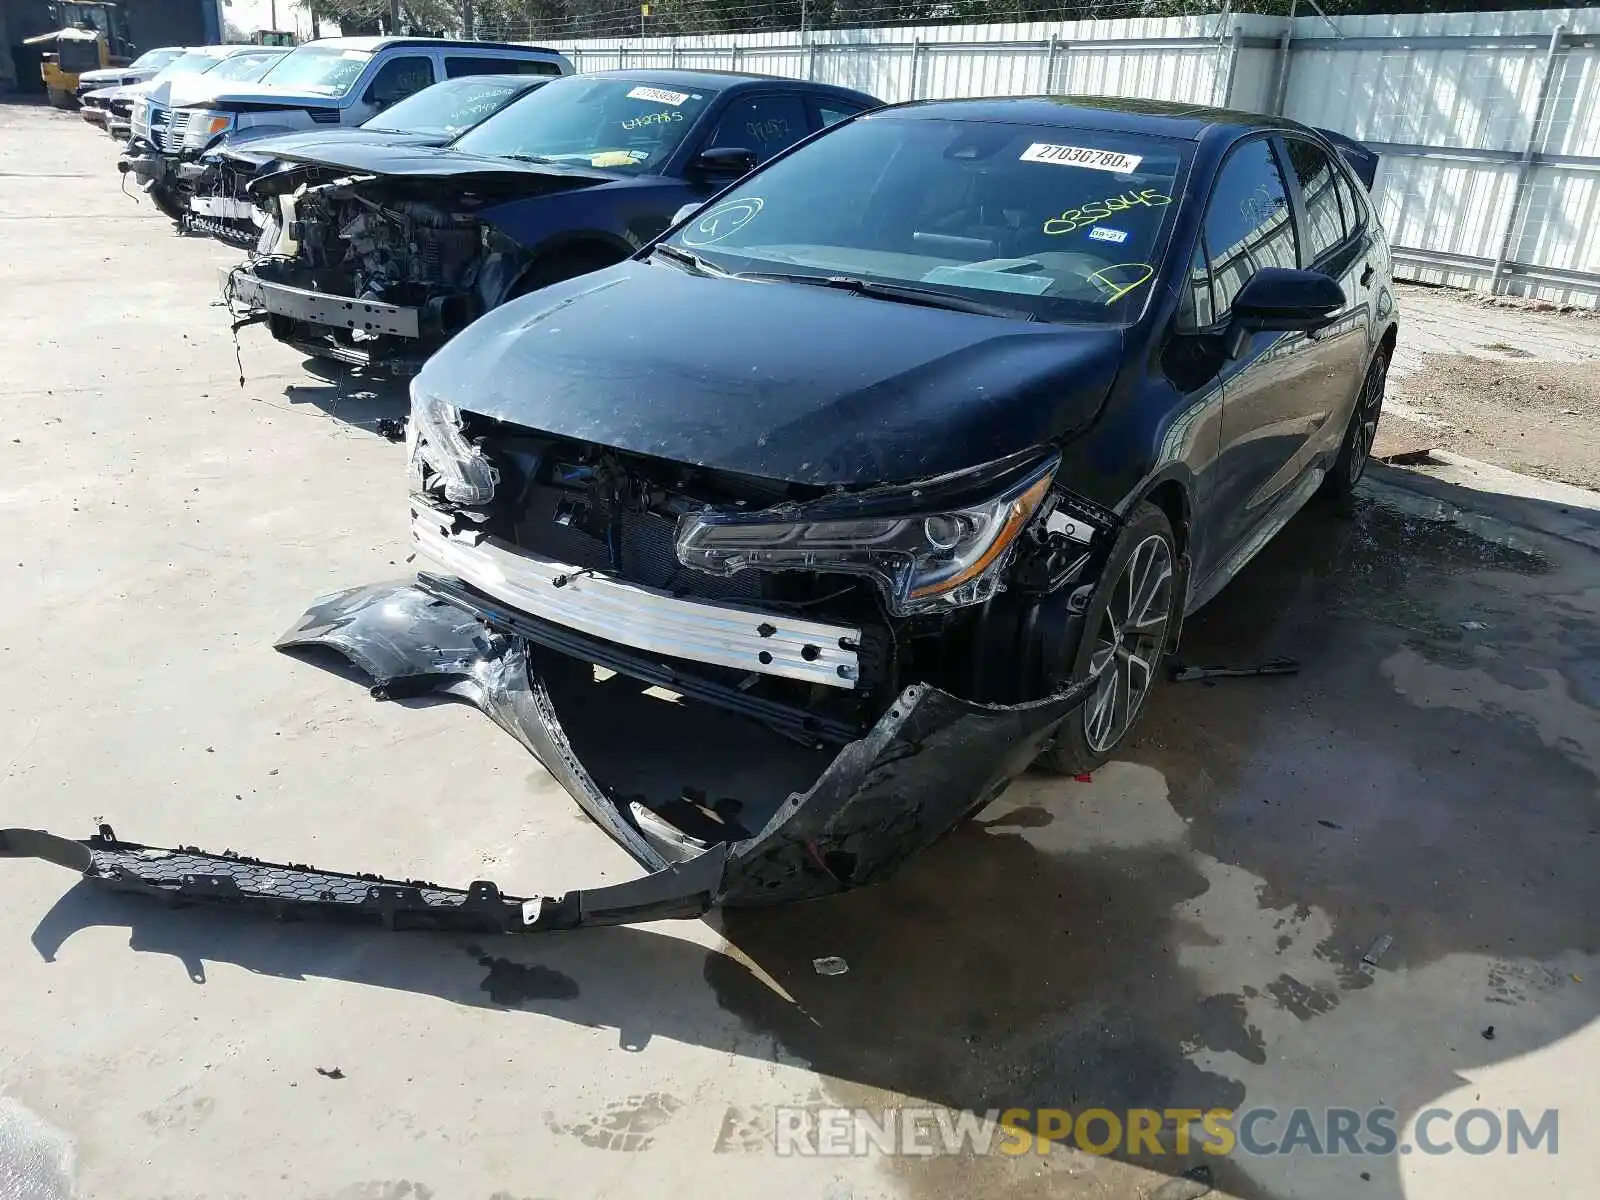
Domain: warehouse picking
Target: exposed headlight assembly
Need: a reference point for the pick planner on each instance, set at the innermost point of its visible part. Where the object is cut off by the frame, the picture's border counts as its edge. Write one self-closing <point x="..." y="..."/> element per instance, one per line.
<point x="435" y="445"/>
<point x="203" y="126"/>
<point x="940" y="544"/>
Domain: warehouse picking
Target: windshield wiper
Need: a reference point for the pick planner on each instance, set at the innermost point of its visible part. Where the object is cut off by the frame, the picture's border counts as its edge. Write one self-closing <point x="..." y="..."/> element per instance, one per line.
<point x="927" y="297"/>
<point x="527" y="158"/>
<point x="693" y="261"/>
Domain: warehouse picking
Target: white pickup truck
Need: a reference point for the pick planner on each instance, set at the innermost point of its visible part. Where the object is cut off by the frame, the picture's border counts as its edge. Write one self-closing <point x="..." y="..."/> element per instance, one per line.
<point x="333" y="81"/>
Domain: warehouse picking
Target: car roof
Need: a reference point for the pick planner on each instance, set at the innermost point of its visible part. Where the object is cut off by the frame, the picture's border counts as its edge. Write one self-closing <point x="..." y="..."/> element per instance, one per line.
<point x="374" y="44"/>
<point x="1111" y="114"/>
<point x="728" y="80"/>
<point x="233" y="48"/>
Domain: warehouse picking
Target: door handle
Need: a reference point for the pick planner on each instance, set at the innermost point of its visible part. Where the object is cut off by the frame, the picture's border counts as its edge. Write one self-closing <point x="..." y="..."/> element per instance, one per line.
<point x="1367" y="274"/>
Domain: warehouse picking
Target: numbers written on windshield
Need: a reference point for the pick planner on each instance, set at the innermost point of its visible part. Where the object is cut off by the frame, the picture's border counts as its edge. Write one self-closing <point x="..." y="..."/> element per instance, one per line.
<point x="1074" y="219"/>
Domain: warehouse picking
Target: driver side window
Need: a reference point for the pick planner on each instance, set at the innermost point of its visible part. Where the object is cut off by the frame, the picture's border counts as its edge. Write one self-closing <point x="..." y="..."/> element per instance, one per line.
<point x="401" y="77"/>
<point x="1248" y="223"/>
<point x="762" y="124"/>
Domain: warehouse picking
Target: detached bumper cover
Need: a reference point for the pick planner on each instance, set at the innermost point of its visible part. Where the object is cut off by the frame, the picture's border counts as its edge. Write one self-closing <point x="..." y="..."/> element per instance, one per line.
<point x="319" y="308"/>
<point x="294" y="892"/>
<point x="927" y="762"/>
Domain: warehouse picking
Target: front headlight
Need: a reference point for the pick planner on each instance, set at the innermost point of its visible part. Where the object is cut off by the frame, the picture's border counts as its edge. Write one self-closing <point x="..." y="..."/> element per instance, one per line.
<point x="439" y="457"/>
<point x="203" y="126"/>
<point x="942" y="544"/>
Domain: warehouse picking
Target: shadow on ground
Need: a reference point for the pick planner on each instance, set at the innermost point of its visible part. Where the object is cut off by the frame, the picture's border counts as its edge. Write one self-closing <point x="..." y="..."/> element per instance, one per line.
<point x="1430" y="774"/>
<point x="372" y="401"/>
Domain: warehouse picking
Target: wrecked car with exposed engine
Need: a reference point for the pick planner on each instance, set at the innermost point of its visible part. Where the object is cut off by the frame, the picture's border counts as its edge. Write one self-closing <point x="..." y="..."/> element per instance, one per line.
<point x="329" y="83"/>
<point x="376" y="255"/>
<point x="787" y="543"/>
<point x="218" y="179"/>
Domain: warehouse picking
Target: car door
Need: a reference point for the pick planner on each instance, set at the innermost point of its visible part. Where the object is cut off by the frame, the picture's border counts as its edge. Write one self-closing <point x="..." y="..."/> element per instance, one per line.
<point x="1332" y="242"/>
<point x="1270" y="399"/>
<point x="394" y="79"/>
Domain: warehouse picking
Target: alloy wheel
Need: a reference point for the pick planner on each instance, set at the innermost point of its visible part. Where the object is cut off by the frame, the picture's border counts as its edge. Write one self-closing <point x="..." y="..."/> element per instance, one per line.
<point x="1369" y="408"/>
<point x="1128" y="643"/>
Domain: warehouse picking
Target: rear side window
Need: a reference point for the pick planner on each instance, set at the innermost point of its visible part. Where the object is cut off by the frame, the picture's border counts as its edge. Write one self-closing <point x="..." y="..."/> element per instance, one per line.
<point x="1248" y="224"/>
<point x="1350" y="201"/>
<point x="764" y="125"/>
<point x="457" y="65"/>
<point x="1319" y="190"/>
<point x="831" y="112"/>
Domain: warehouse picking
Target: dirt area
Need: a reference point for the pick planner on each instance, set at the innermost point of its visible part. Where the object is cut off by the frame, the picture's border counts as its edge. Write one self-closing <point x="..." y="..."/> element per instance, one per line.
<point x="1509" y="386"/>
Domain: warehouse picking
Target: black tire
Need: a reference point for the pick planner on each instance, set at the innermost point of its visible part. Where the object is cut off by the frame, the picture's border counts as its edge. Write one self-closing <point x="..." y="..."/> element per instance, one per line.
<point x="170" y="203"/>
<point x="1125" y="632"/>
<point x="1356" y="450"/>
<point x="563" y="264"/>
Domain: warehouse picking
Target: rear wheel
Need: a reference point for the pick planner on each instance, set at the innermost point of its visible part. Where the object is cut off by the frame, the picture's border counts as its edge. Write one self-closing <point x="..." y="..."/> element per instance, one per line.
<point x="1362" y="432"/>
<point x="1124" y="640"/>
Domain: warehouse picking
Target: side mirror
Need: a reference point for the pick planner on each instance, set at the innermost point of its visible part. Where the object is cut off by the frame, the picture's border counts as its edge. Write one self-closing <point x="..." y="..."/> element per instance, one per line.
<point x="729" y="162"/>
<point x="684" y="213"/>
<point x="1280" y="299"/>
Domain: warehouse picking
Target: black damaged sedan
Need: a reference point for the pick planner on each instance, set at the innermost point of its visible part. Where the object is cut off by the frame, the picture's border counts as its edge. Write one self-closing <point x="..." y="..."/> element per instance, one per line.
<point x="788" y="542"/>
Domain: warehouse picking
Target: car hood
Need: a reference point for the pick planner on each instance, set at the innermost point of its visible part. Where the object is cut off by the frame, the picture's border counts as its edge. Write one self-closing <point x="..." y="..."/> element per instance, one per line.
<point x="113" y="76"/>
<point x="258" y="95"/>
<point x="313" y="145"/>
<point x="789" y="382"/>
<point x="382" y="156"/>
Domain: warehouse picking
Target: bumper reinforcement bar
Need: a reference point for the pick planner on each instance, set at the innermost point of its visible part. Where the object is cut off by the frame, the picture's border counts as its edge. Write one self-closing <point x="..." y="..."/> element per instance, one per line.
<point x="291" y="891"/>
<point x="319" y="308"/>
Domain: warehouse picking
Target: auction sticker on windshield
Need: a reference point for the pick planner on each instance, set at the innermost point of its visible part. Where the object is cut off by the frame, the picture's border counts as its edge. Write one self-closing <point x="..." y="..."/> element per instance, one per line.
<point x="659" y="95"/>
<point x="1080" y="156"/>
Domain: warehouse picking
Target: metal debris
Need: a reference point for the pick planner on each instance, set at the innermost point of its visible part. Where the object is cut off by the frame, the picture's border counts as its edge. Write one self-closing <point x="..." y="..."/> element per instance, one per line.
<point x="392" y="428"/>
<point x="1281" y="665"/>
<point x="330" y="1072"/>
<point x="1377" y="950"/>
<point x="830" y="965"/>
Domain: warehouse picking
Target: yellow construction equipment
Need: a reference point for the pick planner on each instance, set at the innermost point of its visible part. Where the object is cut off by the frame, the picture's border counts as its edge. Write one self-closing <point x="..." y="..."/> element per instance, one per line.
<point x="89" y="34"/>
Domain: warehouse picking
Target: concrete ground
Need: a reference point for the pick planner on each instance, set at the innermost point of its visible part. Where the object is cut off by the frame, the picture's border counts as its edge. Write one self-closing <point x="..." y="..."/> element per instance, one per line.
<point x="1185" y="930"/>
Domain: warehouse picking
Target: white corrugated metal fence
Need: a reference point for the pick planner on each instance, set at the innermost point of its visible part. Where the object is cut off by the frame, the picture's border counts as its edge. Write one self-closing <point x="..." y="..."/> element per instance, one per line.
<point x="1489" y="123"/>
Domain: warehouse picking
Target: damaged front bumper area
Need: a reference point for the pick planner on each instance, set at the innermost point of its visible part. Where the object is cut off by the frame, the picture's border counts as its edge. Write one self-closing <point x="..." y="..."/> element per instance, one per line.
<point x="926" y="763"/>
<point x="290" y="891"/>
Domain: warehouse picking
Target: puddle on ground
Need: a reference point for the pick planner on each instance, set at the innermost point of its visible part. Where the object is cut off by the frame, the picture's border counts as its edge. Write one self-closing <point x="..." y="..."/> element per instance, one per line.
<point x="36" y="1158"/>
<point x="1108" y="944"/>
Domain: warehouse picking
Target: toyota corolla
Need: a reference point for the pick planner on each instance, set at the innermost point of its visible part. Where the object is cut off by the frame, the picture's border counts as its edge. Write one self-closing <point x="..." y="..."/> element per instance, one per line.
<point x="788" y="542"/>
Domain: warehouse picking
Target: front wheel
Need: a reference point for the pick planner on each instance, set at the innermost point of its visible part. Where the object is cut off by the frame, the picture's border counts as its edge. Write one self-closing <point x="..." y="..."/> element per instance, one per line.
<point x="169" y="201"/>
<point x="1124" y="639"/>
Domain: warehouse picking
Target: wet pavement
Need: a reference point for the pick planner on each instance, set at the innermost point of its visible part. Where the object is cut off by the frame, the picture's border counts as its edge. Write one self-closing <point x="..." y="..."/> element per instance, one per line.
<point x="1184" y="930"/>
